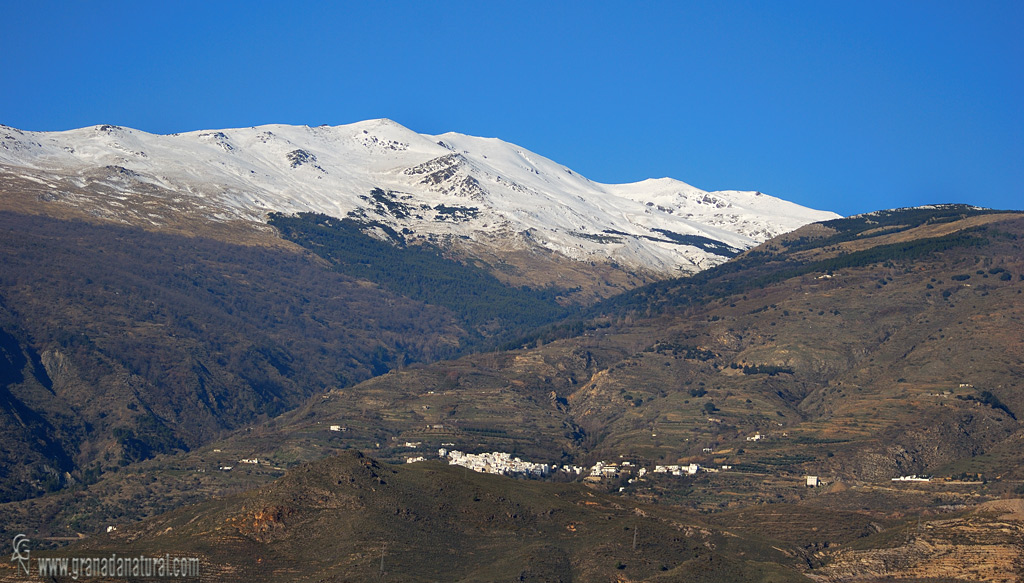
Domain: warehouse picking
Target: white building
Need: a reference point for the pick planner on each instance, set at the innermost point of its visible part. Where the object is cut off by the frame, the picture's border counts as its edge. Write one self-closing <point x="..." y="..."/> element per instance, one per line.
<point x="675" y="470"/>
<point x="496" y="463"/>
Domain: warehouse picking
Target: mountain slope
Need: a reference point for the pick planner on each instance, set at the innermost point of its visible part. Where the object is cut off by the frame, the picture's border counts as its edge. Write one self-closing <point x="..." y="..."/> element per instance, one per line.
<point x="881" y="349"/>
<point x="351" y="518"/>
<point x="452" y="188"/>
<point x="860" y="350"/>
<point x="117" y="343"/>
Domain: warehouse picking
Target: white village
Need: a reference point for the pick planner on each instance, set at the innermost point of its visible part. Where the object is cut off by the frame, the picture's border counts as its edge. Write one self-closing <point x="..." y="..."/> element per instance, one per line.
<point x="505" y="464"/>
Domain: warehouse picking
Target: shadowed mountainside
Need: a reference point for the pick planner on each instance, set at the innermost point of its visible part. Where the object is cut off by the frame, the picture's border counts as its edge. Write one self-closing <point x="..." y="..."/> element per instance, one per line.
<point x="855" y="350"/>
<point x="118" y="344"/>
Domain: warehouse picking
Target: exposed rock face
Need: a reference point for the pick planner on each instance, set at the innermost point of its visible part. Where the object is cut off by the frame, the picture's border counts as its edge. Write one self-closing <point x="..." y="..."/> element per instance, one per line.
<point x="955" y="435"/>
<point x="977" y="547"/>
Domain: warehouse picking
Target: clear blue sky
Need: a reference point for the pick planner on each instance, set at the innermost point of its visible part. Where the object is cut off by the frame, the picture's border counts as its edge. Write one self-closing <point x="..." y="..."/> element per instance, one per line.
<point x="849" y="106"/>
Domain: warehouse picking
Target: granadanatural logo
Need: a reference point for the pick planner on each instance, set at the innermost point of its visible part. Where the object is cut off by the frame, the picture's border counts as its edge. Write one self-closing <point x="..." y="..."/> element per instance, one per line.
<point x="21" y="552"/>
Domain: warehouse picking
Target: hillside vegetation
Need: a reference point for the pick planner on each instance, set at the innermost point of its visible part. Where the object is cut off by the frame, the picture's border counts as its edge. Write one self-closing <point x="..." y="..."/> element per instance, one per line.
<point x="491" y="309"/>
<point x="856" y="351"/>
<point x="118" y="344"/>
<point x="351" y="518"/>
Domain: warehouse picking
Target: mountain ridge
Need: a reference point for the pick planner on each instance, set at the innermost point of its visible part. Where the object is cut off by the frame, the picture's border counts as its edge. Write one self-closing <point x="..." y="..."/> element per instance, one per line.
<point x="450" y="186"/>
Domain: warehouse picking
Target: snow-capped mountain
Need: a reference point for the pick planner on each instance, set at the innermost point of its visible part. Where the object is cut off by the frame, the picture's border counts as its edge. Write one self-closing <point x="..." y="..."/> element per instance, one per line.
<point x="449" y="187"/>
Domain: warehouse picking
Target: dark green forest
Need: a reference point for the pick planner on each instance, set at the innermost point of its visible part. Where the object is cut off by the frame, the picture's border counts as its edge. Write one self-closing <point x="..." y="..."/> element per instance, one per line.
<point x="491" y="309"/>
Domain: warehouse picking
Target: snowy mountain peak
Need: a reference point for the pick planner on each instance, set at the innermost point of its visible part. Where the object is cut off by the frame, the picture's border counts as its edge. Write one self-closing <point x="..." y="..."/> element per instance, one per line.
<point x="449" y="187"/>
